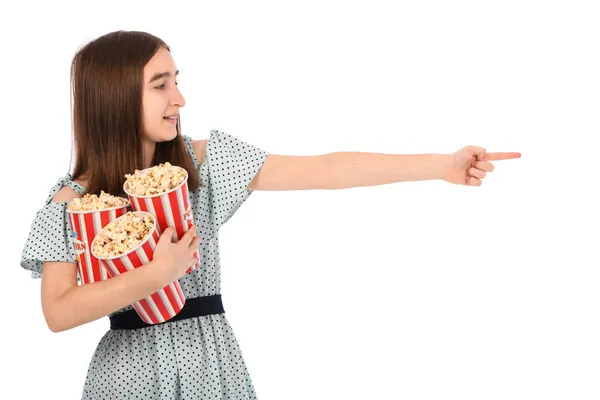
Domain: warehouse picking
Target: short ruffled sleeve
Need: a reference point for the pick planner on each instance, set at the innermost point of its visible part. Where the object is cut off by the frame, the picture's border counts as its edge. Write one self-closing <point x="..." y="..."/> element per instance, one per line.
<point x="229" y="166"/>
<point x="50" y="237"/>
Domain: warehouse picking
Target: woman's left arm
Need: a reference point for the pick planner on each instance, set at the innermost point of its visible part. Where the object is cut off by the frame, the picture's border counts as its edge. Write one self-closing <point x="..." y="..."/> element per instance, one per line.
<point x="342" y="170"/>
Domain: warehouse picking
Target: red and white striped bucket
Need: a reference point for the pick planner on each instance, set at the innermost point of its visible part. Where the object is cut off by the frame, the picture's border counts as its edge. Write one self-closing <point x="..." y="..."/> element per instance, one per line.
<point x="161" y="305"/>
<point x="85" y="226"/>
<point x="171" y="208"/>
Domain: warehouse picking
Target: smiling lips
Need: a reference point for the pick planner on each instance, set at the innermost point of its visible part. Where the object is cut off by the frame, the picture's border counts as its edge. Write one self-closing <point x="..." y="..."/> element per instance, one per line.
<point x="172" y="119"/>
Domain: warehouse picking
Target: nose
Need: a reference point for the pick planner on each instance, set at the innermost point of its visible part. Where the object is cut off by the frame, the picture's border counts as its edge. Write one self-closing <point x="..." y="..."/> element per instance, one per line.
<point x="178" y="100"/>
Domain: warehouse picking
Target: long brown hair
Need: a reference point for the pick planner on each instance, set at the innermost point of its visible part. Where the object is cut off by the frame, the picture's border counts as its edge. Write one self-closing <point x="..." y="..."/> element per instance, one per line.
<point x="106" y="85"/>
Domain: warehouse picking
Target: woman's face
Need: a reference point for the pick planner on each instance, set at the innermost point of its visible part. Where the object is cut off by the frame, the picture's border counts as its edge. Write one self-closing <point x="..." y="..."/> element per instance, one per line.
<point x="161" y="98"/>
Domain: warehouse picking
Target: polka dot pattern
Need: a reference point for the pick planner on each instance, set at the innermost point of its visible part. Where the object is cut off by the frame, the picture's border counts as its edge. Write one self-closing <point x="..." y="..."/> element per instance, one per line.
<point x="50" y="233"/>
<point x="195" y="358"/>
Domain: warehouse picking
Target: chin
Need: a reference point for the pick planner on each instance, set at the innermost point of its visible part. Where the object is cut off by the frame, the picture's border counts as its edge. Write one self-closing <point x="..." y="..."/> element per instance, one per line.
<point x="171" y="136"/>
<point x="166" y="137"/>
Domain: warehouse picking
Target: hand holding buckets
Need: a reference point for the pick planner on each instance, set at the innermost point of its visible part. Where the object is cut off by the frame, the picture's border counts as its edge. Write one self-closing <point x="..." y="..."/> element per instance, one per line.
<point x="128" y="243"/>
<point x="106" y="246"/>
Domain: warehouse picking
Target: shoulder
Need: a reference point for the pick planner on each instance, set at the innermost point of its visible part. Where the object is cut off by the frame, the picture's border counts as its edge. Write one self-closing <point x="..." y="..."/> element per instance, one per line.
<point x="199" y="147"/>
<point x="67" y="194"/>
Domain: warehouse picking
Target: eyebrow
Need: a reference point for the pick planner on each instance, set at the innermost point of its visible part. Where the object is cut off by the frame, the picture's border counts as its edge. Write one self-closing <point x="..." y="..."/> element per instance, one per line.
<point x="162" y="75"/>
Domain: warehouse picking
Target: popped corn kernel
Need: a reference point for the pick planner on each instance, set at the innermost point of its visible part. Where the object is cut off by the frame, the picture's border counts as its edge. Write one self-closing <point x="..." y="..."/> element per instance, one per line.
<point x="122" y="235"/>
<point x="91" y="202"/>
<point x="155" y="180"/>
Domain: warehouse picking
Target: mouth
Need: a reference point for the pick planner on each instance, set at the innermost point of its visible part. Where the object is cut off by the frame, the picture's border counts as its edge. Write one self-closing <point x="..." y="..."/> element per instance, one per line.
<point x="171" y="120"/>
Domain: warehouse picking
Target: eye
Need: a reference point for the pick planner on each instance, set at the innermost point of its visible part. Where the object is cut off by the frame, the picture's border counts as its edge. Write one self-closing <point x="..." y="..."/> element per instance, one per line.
<point x="161" y="87"/>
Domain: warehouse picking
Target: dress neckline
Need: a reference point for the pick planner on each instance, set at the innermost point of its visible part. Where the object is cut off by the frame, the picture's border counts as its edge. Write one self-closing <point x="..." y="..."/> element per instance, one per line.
<point x="79" y="186"/>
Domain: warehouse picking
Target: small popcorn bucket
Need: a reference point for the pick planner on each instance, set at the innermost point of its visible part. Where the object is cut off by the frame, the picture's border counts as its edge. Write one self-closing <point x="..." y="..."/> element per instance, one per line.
<point x="171" y="208"/>
<point x="85" y="225"/>
<point x="159" y="306"/>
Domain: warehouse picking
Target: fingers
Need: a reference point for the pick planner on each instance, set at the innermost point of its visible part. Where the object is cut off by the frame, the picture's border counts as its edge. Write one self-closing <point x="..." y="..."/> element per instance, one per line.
<point x="483" y="165"/>
<point x="502" y="156"/>
<point x="194" y="243"/>
<point x="193" y="261"/>
<point x="167" y="234"/>
<point x="478" y="170"/>
<point x="480" y="153"/>
<point x="189" y="236"/>
<point x="477" y="173"/>
<point x="472" y="181"/>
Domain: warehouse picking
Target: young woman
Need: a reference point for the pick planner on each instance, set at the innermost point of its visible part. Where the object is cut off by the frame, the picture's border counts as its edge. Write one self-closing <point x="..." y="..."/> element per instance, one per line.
<point x="126" y="117"/>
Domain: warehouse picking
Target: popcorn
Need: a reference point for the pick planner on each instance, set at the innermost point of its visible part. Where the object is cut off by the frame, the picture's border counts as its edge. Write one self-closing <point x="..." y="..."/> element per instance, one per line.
<point x="163" y="191"/>
<point x="87" y="216"/>
<point x="155" y="180"/>
<point x="91" y="202"/>
<point x="128" y="243"/>
<point x="122" y="235"/>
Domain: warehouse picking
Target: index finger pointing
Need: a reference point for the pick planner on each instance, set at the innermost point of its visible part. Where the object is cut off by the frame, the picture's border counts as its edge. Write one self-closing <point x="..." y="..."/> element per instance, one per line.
<point x="501" y="156"/>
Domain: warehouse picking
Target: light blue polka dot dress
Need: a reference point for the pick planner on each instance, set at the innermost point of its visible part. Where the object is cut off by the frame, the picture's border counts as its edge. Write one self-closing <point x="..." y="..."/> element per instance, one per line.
<point x="195" y="358"/>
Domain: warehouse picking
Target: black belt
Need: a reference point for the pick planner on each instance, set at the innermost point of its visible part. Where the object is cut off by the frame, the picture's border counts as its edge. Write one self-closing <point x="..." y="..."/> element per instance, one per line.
<point x="195" y="307"/>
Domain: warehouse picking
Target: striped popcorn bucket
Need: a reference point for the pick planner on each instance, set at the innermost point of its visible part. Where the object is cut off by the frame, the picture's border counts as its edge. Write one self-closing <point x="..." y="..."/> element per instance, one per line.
<point x="159" y="306"/>
<point x="85" y="225"/>
<point x="171" y="208"/>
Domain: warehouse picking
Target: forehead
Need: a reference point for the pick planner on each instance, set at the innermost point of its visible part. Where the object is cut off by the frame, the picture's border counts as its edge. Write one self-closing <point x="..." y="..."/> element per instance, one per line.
<point x="161" y="62"/>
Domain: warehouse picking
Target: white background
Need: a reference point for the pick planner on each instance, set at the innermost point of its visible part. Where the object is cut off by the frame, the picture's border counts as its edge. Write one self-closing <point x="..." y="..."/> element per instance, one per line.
<point x="414" y="290"/>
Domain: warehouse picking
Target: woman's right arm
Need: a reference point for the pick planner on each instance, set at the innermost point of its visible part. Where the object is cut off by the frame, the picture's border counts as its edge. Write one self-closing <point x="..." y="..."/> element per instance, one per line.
<point x="66" y="305"/>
